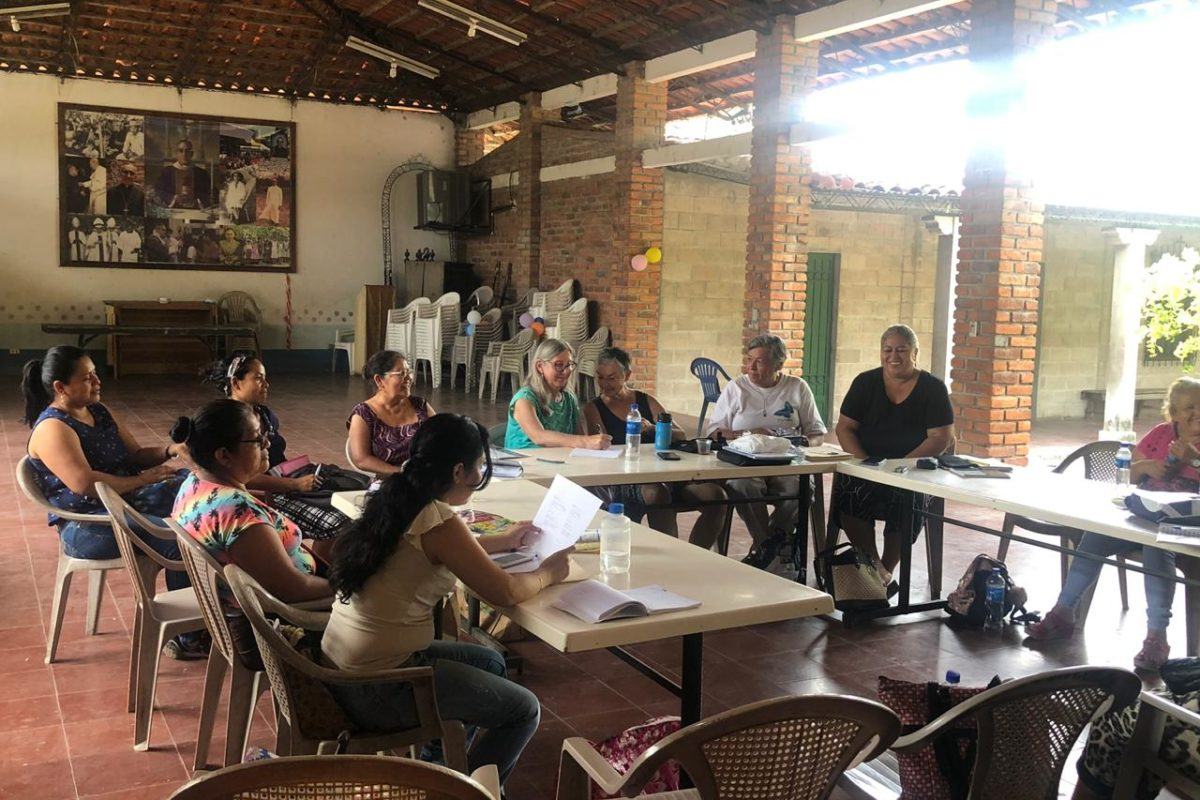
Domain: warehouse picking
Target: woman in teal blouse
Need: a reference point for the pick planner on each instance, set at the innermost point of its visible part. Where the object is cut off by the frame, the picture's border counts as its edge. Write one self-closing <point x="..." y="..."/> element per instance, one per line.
<point x="543" y="413"/>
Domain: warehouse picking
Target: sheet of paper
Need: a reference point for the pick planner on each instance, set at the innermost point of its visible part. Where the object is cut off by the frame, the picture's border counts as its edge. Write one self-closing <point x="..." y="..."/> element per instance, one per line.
<point x="583" y="452"/>
<point x="565" y="513"/>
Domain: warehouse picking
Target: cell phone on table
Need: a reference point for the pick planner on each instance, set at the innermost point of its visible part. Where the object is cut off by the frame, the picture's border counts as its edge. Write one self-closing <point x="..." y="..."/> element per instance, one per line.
<point x="872" y="462"/>
<point x="667" y="455"/>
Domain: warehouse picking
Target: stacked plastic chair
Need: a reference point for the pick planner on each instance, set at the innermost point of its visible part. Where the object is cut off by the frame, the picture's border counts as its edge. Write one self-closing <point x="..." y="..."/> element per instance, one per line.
<point x="548" y="305"/>
<point x="481" y="300"/>
<point x="435" y="327"/>
<point x="506" y="357"/>
<point x="586" y="356"/>
<point x="401" y="327"/>
<point x="469" y="349"/>
<point x="512" y="313"/>
<point x="571" y="324"/>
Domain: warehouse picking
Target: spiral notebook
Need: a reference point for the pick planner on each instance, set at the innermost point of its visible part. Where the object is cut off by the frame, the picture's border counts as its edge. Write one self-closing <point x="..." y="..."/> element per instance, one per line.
<point x="593" y="601"/>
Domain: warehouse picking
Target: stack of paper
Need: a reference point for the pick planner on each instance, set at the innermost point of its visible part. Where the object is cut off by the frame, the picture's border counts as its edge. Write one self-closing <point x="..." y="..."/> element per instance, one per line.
<point x="506" y="463"/>
<point x="824" y="452"/>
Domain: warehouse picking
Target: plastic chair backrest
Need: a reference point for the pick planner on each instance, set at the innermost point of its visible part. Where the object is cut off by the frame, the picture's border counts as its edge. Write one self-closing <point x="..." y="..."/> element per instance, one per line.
<point x="1099" y="460"/>
<point x="497" y="432"/>
<point x="208" y="580"/>
<point x="481" y="297"/>
<point x="27" y="480"/>
<point x="238" y="307"/>
<point x="705" y="369"/>
<point x="142" y="562"/>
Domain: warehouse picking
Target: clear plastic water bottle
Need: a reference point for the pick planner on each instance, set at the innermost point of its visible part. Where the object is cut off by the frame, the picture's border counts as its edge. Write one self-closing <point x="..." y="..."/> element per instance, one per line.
<point x="1124" y="460"/>
<point x="633" y="433"/>
<point x="615" y="540"/>
<point x="994" y="598"/>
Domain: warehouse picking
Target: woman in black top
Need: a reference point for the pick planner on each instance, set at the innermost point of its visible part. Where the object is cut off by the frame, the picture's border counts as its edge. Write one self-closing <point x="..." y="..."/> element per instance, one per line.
<point x="895" y="411"/>
<point x="606" y="414"/>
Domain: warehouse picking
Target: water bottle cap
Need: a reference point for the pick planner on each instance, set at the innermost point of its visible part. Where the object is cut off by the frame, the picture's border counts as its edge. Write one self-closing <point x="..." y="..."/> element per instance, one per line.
<point x="632" y="407"/>
<point x="616" y="508"/>
<point x="952" y="676"/>
<point x="664" y="417"/>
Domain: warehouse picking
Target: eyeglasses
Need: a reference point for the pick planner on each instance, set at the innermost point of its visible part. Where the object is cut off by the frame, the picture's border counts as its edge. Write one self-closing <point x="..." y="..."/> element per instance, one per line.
<point x="263" y="440"/>
<point x="560" y="366"/>
<point x="399" y="373"/>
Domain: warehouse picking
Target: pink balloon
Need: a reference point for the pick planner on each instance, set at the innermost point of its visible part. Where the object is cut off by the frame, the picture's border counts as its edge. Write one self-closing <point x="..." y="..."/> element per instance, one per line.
<point x="526" y="320"/>
<point x="639" y="262"/>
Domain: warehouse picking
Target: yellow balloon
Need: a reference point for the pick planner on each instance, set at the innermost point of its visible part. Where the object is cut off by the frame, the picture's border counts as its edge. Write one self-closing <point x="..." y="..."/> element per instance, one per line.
<point x="654" y="255"/>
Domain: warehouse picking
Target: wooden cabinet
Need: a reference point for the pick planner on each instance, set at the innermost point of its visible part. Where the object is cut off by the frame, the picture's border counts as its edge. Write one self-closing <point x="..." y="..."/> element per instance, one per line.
<point x="158" y="355"/>
<point x="370" y="322"/>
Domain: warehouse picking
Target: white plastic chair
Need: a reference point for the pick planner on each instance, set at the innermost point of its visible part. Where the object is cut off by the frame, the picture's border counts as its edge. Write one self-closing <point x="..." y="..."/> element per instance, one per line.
<point x="549" y="305"/>
<point x="343" y="339"/>
<point x="68" y="565"/>
<point x="506" y="357"/>
<point x="356" y="467"/>
<point x="246" y="685"/>
<point x="436" y="326"/>
<point x="468" y="349"/>
<point x="512" y="313"/>
<point x="481" y="299"/>
<point x="571" y="325"/>
<point x="586" y="356"/>
<point x="159" y="616"/>
<point x="401" y="326"/>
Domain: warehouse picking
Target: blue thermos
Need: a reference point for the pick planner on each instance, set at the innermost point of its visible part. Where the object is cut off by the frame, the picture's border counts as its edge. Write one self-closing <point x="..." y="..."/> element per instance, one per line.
<point x="662" y="432"/>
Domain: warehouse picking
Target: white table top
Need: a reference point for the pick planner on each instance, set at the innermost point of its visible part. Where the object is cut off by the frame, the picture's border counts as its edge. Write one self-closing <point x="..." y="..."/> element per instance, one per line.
<point x="731" y="594"/>
<point x="1048" y="496"/>
<point x="649" y="468"/>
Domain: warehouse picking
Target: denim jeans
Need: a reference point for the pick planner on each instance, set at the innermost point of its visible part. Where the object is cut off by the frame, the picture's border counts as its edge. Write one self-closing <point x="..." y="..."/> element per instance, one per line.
<point x="471" y="686"/>
<point x="1159" y="591"/>
<point x="95" y="540"/>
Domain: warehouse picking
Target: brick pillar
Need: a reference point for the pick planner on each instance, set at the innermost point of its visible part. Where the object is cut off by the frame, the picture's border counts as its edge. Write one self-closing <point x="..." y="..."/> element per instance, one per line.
<point x="785" y="72"/>
<point x="1000" y="247"/>
<point x="633" y="306"/>
<point x="526" y="256"/>
<point x="468" y="146"/>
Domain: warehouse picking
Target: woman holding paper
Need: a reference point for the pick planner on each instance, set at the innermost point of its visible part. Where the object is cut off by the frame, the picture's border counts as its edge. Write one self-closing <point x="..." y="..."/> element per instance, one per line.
<point x="1166" y="459"/>
<point x="543" y="412"/>
<point x="392" y="567"/>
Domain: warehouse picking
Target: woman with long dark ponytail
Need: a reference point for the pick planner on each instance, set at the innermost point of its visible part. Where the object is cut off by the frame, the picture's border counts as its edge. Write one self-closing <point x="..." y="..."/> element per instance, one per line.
<point x="390" y="569"/>
<point x="76" y="443"/>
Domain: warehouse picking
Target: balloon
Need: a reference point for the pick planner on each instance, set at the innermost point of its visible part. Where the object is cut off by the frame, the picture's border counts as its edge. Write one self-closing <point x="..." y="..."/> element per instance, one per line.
<point x="470" y="329"/>
<point x="526" y="320"/>
<point x="538" y="328"/>
<point x="654" y="255"/>
<point x="639" y="263"/>
<point x="474" y="317"/>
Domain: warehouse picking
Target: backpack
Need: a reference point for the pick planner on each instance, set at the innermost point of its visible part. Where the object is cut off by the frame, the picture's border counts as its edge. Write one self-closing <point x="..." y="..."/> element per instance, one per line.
<point x="967" y="604"/>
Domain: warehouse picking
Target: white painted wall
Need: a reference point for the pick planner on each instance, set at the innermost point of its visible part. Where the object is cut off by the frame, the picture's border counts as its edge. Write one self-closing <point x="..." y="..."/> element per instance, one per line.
<point x="343" y="155"/>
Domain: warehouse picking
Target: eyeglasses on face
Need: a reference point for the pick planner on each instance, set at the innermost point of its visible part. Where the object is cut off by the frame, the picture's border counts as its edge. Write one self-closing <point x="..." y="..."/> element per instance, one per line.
<point x="263" y="440"/>
<point x="562" y="366"/>
<point x="399" y="373"/>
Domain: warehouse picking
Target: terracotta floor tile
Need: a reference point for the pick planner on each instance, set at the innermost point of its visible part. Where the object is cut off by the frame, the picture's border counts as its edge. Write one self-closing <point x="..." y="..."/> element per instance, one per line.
<point x="33" y="746"/>
<point x="30" y="712"/>
<point x="546" y="744"/>
<point x="571" y="699"/>
<point x="122" y="768"/>
<point x="51" y="780"/>
<point x="113" y="734"/>
<point x="21" y="659"/>
<point x="37" y="682"/>
<point x="158" y="792"/>
<point x="92" y="704"/>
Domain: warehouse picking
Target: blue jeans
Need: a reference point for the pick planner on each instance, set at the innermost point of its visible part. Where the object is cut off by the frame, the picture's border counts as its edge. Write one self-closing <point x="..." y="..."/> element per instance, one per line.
<point x="471" y="685"/>
<point x="95" y="540"/>
<point x="1159" y="591"/>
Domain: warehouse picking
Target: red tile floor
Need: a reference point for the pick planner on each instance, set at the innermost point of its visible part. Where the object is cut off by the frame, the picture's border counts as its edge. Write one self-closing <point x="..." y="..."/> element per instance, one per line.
<point x="68" y="735"/>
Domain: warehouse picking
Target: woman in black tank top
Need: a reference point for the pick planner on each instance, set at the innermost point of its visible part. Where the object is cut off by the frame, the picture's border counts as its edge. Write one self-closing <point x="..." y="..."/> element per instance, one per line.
<point x="606" y="414"/>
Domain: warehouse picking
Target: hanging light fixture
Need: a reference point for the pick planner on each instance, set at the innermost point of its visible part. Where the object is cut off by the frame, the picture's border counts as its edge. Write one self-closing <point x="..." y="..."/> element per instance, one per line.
<point x="394" y="59"/>
<point x="475" y="21"/>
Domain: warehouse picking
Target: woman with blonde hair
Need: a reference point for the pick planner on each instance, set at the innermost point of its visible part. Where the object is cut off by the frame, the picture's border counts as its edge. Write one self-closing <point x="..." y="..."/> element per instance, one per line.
<point x="1166" y="459"/>
<point x="543" y="412"/>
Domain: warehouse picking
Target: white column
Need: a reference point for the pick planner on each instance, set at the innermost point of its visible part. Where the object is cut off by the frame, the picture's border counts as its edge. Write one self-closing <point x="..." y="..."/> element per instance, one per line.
<point x="943" y="294"/>
<point x="1124" y="340"/>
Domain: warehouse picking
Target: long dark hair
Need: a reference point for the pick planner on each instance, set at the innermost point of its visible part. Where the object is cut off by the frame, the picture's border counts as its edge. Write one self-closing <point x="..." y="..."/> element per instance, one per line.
<point x="221" y="423"/>
<point x="39" y="374"/>
<point x="225" y="371"/>
<point x="441" y="443"/>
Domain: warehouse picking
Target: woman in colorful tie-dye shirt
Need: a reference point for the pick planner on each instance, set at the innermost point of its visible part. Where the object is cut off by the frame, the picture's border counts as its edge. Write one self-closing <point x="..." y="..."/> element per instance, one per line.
<point x="229" y="447"/>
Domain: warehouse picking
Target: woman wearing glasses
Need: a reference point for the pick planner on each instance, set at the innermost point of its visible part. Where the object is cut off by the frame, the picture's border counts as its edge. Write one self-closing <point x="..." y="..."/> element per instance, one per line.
<point x="543" y="413"/>
<point x="382" y="427"/>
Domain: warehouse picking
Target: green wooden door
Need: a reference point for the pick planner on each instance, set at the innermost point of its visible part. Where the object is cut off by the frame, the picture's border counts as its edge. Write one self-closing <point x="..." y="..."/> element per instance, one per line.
<point x="820" y="328"/>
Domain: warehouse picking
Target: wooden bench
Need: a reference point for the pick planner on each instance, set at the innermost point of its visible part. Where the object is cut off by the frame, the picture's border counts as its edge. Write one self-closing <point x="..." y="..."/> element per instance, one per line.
<point x="1153" y="398"/>
<point x="206" y="334"/>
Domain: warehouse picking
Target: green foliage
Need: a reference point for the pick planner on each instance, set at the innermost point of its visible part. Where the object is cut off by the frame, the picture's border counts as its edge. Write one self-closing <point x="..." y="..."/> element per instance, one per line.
<point x="1171" y="312"/>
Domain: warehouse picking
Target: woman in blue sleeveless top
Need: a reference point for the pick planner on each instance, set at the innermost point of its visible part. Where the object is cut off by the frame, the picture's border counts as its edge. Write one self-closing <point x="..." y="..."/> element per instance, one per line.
<point x="76" y="442"/>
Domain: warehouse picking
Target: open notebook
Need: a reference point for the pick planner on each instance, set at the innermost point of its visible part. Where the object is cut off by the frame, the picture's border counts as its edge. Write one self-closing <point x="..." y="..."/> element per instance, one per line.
<point x="593" y="601"/>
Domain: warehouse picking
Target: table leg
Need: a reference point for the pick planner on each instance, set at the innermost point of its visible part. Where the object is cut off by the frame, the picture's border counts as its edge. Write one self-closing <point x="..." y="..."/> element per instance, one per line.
<point x="800" y="548"/>
<point x="906" y="521"/>
<point x="690" y="697"/>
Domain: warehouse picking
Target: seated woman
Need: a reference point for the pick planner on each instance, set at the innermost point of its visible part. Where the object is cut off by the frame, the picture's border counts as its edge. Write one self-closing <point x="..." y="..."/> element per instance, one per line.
<point x="244" y="378"/>
<point x="764" y="400"/>
<point x="543" y="413"/>
<point x="392" y="567"/>
<point x="607" y="413"/>
<point x="215" y="507"/>
<point x="1166" y="459"/>
<point x="382" y="427"/>
<point x="77" y="442"/>
<point x="895" y="411"/>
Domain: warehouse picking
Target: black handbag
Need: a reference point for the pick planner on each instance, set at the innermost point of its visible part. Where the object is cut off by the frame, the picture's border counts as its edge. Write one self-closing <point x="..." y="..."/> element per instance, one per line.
<point x="731" y="456"/>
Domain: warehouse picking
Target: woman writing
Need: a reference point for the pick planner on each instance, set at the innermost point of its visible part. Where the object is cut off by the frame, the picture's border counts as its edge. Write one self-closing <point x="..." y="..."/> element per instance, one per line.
<point x="76" y="443"/>
<point x="543" y="413"/>
<point x="1166" y="459"/>
<point x="392" y="567"/>
<point x="895" y="411"/>
<point x="607" y="414"/>
<point x="382" y="427"/>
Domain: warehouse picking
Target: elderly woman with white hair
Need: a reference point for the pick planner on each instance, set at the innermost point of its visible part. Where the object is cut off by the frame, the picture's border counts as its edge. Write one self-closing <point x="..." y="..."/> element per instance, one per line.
<point x="765" y="400"/>
<point x="893" y="411"/>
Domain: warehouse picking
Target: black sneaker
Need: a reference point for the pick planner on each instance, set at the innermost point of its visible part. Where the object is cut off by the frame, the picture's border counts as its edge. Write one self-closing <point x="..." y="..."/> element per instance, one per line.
<point x="188" y="646"/>
<point x="762" y="554"/>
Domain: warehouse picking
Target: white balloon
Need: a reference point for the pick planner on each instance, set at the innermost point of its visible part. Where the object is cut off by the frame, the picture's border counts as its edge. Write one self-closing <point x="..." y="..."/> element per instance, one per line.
<point x="474" y="317"/>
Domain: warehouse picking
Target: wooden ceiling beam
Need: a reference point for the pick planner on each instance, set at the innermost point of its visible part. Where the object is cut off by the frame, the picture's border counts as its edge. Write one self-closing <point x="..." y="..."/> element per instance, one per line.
<point x="568" y="29"/>
<point x="202" y="22"/>
<point x="68" y="47"/>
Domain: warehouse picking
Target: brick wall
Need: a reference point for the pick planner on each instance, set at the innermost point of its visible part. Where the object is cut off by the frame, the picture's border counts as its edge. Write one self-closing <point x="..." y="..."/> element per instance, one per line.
<point x="565" y="145"/>
<point x="577" y="236"/>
